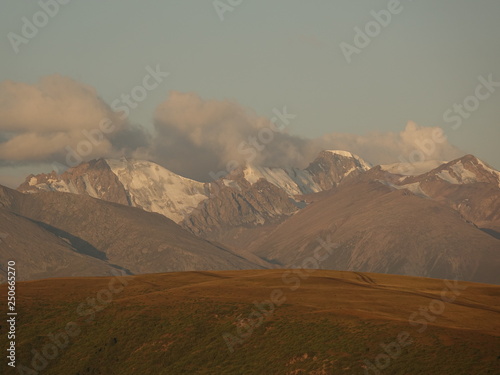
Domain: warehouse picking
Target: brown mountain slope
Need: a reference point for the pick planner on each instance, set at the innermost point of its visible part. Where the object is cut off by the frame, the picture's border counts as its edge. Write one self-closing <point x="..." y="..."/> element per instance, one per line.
<point x="247" y="197"/>
<point x="379" y="229"/>
<point x="248" y="205"/>
<point x="331" y="168"/>
<point x="39" y="253"/>
<point x="136" y="240"/>
<point x="94" y="178"/>
<point x="467" y="185"/>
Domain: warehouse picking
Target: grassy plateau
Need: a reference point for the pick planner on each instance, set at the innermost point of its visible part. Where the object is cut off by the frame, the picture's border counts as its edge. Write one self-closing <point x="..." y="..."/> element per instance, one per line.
<point x="254" y="322"/>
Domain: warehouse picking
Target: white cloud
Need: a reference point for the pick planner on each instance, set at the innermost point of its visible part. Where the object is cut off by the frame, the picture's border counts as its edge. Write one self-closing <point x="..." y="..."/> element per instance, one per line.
<point x="193" y="136"/>
<point x="38" y="122"/>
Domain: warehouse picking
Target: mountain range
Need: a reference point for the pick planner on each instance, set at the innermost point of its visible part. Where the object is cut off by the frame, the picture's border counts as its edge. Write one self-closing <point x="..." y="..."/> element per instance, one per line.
<point x="437" y="219"/>
<point x="63" y="234"/>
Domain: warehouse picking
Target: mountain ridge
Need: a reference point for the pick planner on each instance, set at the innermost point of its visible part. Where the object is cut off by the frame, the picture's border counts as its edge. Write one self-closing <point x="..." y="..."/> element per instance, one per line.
<point x="108" y="234"/>
<point x="149" y="186"/>
<point x="258" y="212"/>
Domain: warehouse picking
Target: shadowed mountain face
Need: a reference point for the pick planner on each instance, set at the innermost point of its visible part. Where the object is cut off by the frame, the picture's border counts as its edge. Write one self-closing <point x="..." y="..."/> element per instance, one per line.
<point x="103" y="233"/>
<point x="40" y="253"/>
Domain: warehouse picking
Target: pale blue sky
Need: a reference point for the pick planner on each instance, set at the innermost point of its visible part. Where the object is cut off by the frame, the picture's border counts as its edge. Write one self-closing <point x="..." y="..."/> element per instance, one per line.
<point x="267" y="54"/>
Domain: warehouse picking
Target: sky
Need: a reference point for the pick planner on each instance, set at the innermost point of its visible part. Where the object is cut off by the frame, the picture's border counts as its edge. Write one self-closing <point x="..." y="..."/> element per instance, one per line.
<point x="378" y="78"/>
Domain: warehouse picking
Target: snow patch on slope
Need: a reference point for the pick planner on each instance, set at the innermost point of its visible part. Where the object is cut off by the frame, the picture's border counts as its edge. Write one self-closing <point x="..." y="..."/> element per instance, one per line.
<point x="231" y="184"/>
<point x="446" y="176"/>
<point x="304" y="180"/>
<point x="459" y="173"/>
<point x="157" y="189"/>
<point x="88" y="187"/>
<point x="348" y="154"/>
<point x="53" y="185"/>
<point x="293" y="181"/>
<point x="415" y="188"/>
<point x="494" y="172"/>
<point x="412" y="169"/>
<point x="463" y="173"/>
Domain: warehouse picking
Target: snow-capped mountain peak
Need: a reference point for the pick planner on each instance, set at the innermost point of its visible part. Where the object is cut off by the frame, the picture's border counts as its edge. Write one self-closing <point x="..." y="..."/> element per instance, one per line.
<point x="412" y="169"/>
<point x="348" y="154"/>
<point x="326" y="171"/>
<point x="147" y="185"/>
<point x="157" y="189"/>
<point x="332" y="167"/>
<point x="293" y="181"/>
<point x="135" y="183"/>
<point x="467" y="170"/>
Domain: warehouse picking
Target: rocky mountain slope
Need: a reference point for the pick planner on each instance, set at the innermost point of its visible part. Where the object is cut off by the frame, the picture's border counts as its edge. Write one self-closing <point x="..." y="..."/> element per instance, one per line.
<point x="377" y="228"/>
<point x="116" y="235"/>
<point x="246" y="197"/>
<point x="467" y="185"/>
<point x="444" y="222"/>
<point x="40" y="253"/>
<point x="94" y="178"/>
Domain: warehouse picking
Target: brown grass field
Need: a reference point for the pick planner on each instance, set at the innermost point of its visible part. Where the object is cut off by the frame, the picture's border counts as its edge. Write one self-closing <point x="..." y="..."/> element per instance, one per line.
<point x="320" y="322"/>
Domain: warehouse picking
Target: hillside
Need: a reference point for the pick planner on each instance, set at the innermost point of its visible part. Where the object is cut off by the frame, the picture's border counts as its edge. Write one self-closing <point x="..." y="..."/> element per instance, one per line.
<point x="434" y="221"/>
<point x="385" y="230"/>
<point x="127" y="237"/>
<point x="40" y="253"/>
<point x="332" y="323"/>
<point x="247" y="196"/>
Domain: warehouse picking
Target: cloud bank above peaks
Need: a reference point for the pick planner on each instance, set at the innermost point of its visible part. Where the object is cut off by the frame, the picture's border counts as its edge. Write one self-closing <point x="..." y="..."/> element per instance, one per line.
<point x="412" y="144"/>
<point x="39" y="122"/>
<point x="192" y="136"/>
<point x="196" y="135"/>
